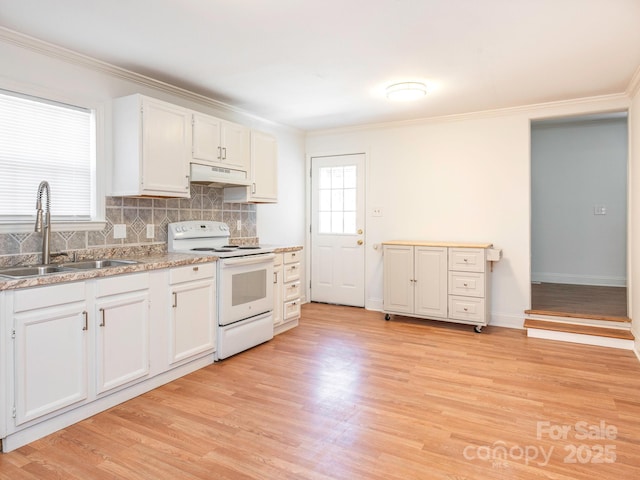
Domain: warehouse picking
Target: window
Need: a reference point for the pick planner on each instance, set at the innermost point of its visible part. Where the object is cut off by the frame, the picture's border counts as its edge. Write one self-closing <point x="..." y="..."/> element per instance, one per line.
<point x="46" y="140"/>
<point x="337" y="203"/>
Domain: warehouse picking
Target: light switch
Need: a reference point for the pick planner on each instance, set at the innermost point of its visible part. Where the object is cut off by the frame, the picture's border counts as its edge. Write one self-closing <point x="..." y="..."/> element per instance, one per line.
<point x="600" y="210"/>
<point x="151" y="230"/>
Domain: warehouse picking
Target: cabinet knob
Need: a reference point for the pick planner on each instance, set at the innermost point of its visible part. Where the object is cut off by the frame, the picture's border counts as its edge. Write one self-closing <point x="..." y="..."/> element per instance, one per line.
<point x="195" y="269"/>
<point x="360" y="242"/>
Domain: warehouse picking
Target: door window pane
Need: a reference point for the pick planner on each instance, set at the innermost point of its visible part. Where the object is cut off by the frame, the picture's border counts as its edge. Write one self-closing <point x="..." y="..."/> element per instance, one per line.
<point x="337" y="200"/>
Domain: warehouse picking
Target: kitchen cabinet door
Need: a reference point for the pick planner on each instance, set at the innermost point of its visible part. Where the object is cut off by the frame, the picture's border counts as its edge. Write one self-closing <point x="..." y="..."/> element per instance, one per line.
<point x="398" y="278"/>
<point x="431" y="281"/>
<point x="206" y="146"/>
<point x="235" y="142"/>
<point x="264" y="173"/>
<point x="192" y="319"/>
<point x="151" y="149"/>
<point x="122" y="347"/>
<point x="50" y="360"/>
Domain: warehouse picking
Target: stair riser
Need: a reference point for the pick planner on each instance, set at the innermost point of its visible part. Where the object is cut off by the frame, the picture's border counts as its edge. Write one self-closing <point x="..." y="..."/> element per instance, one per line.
<point x="580" y="338"/>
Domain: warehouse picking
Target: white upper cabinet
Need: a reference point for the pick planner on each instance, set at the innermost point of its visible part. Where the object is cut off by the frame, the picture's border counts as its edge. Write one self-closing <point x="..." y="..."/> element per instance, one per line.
<point x="151" y="148"/>
<point x="219" y="142"/>
<point x="263" y="173"/>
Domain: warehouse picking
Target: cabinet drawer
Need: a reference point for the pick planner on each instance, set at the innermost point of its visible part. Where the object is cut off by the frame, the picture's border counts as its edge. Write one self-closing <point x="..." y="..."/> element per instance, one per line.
<point x="467" y="308"/>
<point x="187" y="273"/>
<point x="32" y="298"/>
<point x="466" y="283"/>
<point x="291" y="272"/>
<point x="121" y="284"/>
<point x="292" y="257"/>
<point x="291" y="291"/>
<point x="291" y="309"/>
<point x="466" y="259"/>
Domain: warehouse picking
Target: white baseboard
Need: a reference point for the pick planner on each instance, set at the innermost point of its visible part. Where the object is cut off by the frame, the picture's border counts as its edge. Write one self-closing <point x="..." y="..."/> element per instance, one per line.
<point x="375" y="304"/>
<point x="596" y="280"/>
<point x="506" y="320"/>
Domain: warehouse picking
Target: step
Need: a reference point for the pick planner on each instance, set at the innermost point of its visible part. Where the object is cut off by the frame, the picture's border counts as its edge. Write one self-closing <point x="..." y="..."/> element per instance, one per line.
<point x="580" y="329"/>
<point x="604" y="318"/>
<point x="579" y="333"/>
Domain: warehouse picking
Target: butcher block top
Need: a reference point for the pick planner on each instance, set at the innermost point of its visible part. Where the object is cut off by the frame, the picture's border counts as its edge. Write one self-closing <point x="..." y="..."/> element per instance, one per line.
<point x="421" y="243"/>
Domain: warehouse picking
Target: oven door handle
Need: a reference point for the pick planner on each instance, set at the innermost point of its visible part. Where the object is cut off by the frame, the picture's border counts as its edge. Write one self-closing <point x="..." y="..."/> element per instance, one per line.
<point x="249" y="260"/>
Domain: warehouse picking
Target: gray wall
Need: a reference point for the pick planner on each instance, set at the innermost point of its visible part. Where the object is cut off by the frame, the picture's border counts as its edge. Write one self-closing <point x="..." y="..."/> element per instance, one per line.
<point x="575" y="166"/>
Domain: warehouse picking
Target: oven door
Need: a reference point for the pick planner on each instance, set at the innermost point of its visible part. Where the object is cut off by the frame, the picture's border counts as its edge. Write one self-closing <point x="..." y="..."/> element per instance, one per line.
<point x="245" y="287"/>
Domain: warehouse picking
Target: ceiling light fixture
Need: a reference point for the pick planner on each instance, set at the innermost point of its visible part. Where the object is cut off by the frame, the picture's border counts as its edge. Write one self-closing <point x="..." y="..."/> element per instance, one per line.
<point x="406" y="91"/>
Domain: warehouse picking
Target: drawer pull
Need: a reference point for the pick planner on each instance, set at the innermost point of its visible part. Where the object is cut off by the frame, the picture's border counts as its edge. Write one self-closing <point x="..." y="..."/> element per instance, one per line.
<point x="465" y="284"/>
<point x="86" y="321"/>
<point x="175" y="300"/>
<point x="465" y="309"/>
<point x="102" y="322"/>
<point x="195" y="269"/>
<point x="465" y="260"/>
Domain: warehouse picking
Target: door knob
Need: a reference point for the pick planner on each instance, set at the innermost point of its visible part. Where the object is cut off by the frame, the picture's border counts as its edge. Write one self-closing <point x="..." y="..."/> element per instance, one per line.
<point x="360" y="242"/>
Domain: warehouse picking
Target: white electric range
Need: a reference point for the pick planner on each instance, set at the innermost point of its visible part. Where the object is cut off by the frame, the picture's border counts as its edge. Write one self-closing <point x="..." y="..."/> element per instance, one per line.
<point x="244" y="283"/>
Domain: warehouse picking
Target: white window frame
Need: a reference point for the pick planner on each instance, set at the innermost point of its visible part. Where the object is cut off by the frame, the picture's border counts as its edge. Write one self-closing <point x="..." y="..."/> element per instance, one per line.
<point x="98" y="109"/>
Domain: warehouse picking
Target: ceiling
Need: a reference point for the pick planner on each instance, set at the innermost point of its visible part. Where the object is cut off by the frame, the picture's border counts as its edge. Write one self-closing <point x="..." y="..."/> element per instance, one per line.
<point x="324" y="64"/>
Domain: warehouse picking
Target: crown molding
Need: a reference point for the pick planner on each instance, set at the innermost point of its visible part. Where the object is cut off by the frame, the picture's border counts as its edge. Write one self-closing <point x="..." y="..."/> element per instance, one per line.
<point x="634" y="85"/>
<point x="69" y="56"/>
<point x="599" y="104"/>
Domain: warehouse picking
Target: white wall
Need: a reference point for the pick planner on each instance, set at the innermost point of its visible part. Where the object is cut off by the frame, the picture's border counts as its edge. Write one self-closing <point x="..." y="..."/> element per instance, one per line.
<point x="37" y="68"/>
<point x="576" y="165"/>
<point x="463" y="178"/>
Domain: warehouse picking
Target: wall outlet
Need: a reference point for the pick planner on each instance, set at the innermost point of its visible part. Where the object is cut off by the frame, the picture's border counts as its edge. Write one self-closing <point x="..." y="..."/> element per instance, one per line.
<point x="377" y="212"/>
<point x="120" y="230"/>
<point x="239" y="225"/>
<point x="151" y="230"/>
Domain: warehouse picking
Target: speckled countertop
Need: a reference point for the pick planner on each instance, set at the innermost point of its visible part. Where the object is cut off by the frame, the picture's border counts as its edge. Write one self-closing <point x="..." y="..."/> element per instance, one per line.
<point x="145" y="263"/>
<point x="154" y="260"/>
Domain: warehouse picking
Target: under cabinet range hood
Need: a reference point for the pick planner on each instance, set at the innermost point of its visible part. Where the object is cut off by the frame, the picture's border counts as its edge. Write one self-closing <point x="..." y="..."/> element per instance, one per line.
<point x="217" y="176"/>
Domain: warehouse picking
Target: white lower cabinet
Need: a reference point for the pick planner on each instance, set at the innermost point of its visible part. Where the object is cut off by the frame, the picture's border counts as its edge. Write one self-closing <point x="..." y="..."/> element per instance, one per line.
<point x="192" y="318"/>
<point x="288" y="301"/>
<point x="437" y="281"/>
<point x="73" y="349"/>
<point x="121" y="319"/>
<point x="50" y="345"/>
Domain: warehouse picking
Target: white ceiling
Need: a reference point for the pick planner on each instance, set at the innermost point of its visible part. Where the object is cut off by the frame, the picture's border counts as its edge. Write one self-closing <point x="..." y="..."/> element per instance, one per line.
<point x="321" y="64"/>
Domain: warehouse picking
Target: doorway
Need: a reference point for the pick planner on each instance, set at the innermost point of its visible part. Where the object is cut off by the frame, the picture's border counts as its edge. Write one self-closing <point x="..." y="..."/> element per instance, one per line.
<point x="337" y="229"/>
<point x="579" y="215"/>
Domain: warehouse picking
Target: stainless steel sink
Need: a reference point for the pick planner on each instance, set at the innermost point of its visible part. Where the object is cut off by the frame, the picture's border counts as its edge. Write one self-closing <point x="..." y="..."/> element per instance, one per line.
<point x="31" y="270"/>
<point x="93" y="264"/>
<point x="37" y="270"/>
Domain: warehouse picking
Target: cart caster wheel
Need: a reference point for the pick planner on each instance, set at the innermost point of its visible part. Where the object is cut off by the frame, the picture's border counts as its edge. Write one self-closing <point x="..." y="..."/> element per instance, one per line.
<point x="387" y="317"/>
<point x="477" y="329"/>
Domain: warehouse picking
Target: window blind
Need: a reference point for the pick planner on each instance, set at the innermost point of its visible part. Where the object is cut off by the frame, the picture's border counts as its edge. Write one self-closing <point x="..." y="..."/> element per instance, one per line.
<point x="45" y="140"/>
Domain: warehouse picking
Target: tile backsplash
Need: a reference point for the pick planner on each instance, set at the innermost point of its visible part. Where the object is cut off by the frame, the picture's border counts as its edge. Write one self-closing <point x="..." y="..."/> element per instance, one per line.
<point x="205" y="203"/>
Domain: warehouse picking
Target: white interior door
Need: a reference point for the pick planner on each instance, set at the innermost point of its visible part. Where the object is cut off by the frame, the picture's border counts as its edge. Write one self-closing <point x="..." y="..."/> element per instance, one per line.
<point x="337" y="229"/>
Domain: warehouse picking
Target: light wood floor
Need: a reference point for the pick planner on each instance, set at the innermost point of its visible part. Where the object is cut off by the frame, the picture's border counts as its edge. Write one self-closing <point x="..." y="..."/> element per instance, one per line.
<point x="347" y="395"/>
<point x="586" y="299"/>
